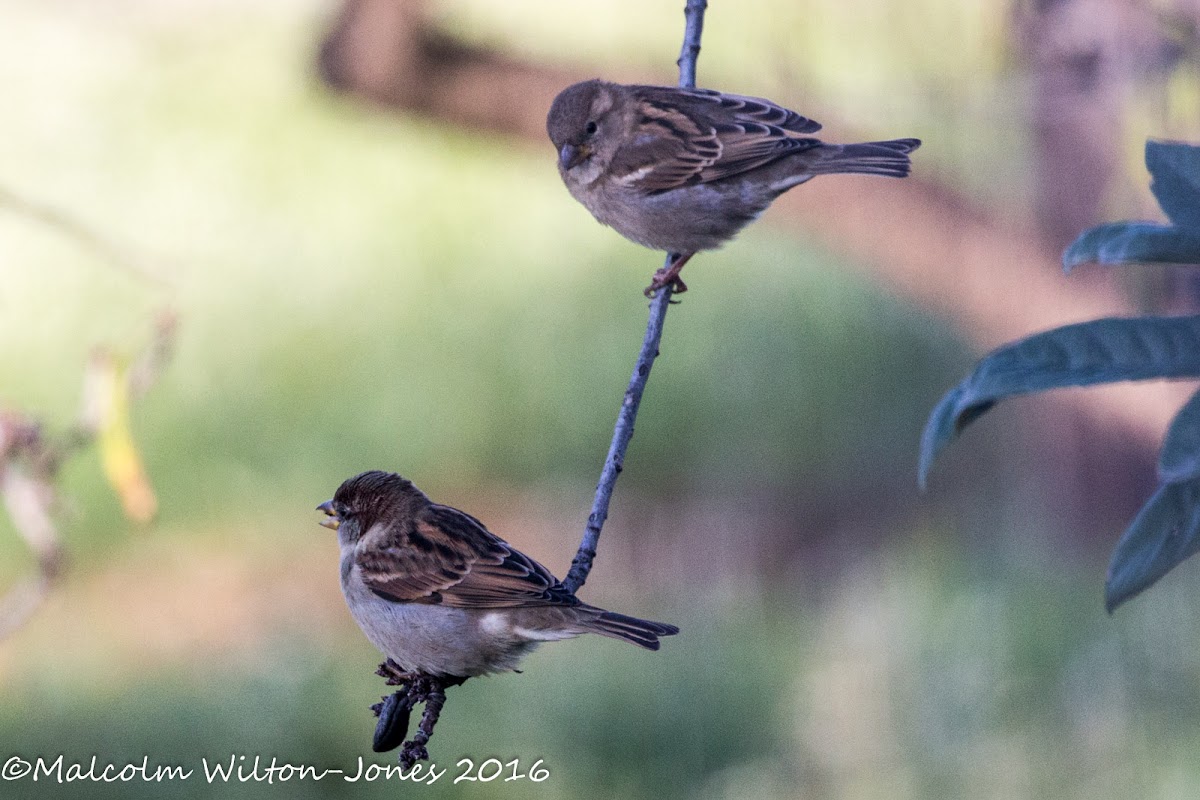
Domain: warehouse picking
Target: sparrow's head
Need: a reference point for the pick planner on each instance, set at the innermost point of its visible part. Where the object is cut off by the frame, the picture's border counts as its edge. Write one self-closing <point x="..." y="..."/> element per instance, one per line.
<point x="586" y="124"/>
<point x="368" y="499"/>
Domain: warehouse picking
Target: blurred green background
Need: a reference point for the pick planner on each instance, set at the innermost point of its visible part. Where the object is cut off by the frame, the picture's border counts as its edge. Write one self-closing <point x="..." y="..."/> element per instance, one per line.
<point x="359" y="288"/>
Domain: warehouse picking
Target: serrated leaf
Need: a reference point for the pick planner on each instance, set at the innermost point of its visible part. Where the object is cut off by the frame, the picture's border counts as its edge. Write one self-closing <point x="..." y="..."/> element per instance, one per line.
<point x="1165" y="532"/>
<point x="1087" y="353"/>
<point x="1133" y="243"/>
<point x="1175" y="172"/>
<point x="1179" y="459"/>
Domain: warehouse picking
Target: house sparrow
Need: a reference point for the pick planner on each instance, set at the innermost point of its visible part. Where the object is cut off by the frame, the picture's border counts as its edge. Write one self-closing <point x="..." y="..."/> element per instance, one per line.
<point x="443" y="596"/>
<point x="683" y="170"/>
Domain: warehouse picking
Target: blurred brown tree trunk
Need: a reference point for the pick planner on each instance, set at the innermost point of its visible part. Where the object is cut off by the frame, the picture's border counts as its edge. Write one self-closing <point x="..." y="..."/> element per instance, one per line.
<point x="1084" y="60"/>
<point x="389" y="52"/>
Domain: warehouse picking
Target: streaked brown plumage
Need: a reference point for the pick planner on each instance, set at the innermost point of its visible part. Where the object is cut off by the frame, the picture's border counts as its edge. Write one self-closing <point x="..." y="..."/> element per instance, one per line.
<point x="683" y="170"/>
<point x="440" y="594"/>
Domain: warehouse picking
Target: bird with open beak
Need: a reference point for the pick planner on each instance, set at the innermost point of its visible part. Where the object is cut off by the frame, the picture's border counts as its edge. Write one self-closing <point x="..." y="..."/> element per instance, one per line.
<point x="441" y="595"/>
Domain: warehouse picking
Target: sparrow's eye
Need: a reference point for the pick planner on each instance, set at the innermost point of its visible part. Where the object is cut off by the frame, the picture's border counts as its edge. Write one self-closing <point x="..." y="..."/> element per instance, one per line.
<point x="590" y="128"/>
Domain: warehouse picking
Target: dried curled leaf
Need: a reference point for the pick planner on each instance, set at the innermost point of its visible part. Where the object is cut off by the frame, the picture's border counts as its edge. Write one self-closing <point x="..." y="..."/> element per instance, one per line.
<point x="107" y="410"/>
<point x="395" y="712"/>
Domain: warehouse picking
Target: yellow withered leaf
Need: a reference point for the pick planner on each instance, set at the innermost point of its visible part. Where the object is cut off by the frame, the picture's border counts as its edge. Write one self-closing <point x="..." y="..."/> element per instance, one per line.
<point x="108" y="408"/>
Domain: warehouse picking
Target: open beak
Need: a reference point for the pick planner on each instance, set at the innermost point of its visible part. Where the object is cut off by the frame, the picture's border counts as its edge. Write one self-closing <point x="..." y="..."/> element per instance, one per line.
<point x="572" y="154"/>
<point x="331" y="520"/>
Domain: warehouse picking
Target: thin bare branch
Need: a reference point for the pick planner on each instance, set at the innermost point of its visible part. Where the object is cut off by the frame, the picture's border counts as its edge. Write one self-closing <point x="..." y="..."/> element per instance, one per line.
<point x="72" y="228"/>
<point x="145" y="371"/>
<point x="581" y="565"/>
<point x="418" y="688"/>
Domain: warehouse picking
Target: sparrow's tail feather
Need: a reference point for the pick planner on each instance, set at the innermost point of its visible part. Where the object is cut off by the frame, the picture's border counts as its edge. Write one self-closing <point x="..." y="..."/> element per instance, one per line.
<point x="639" y="631"/>
<point x="869" y="158"/>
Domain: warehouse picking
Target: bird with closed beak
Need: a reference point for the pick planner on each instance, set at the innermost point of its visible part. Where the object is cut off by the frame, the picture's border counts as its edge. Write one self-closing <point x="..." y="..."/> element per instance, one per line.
<point x="443" y="596"/>
<point x="683" y="170"/>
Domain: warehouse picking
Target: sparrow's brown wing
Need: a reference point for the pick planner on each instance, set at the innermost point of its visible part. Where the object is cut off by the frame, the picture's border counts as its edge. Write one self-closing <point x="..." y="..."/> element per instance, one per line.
<point x="688" y="136"/>
<point x="746" y="109"/>
<point x="449" y="557"/>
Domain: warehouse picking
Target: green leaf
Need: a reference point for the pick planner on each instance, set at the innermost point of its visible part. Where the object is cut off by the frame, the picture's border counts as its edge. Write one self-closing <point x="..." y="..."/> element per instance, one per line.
<point x="1179" y="459"/>
<point x="1164" y="533"/>
<point x="1175" y="169"/>
<point x="1100" y="351"/>
<point x="1133" y="242"/>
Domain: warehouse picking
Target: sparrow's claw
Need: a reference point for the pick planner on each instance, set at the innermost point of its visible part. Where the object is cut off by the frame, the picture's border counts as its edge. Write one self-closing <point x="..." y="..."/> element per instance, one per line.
<point x="432" y="692"/>
<point x="394" y="710"/>
<point x="412" y="753"/>
<point x="394" y="675"/>
<point x="669" y="276"/>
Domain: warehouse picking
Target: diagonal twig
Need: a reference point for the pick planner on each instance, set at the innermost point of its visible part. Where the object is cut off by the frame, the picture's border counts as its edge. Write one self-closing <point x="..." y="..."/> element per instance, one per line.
<point x="71" y="228"/>
<point x="393" y="712"/>
<point x="581" y="565"/>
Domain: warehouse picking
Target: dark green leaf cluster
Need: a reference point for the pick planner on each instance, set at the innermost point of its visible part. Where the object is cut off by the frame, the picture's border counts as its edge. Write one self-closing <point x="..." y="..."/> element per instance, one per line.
<point x="1175" y="172"/>
<point x="1167" y="529"/>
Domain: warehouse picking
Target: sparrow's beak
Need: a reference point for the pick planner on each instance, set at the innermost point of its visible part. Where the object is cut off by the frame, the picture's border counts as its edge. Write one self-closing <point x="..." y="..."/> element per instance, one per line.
<point x="332" y="521"/>
<point x="572" y="154"/>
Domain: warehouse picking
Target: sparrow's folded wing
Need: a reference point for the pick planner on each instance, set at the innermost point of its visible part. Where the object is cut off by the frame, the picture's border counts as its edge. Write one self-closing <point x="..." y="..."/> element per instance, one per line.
<point x="449" y="557"/>
<point x="682" y="137"/>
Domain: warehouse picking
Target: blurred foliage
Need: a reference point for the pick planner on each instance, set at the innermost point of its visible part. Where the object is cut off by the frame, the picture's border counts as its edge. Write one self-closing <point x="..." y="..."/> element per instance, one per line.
<point x="332" y="314"/>
<point x="918" y="673"/>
